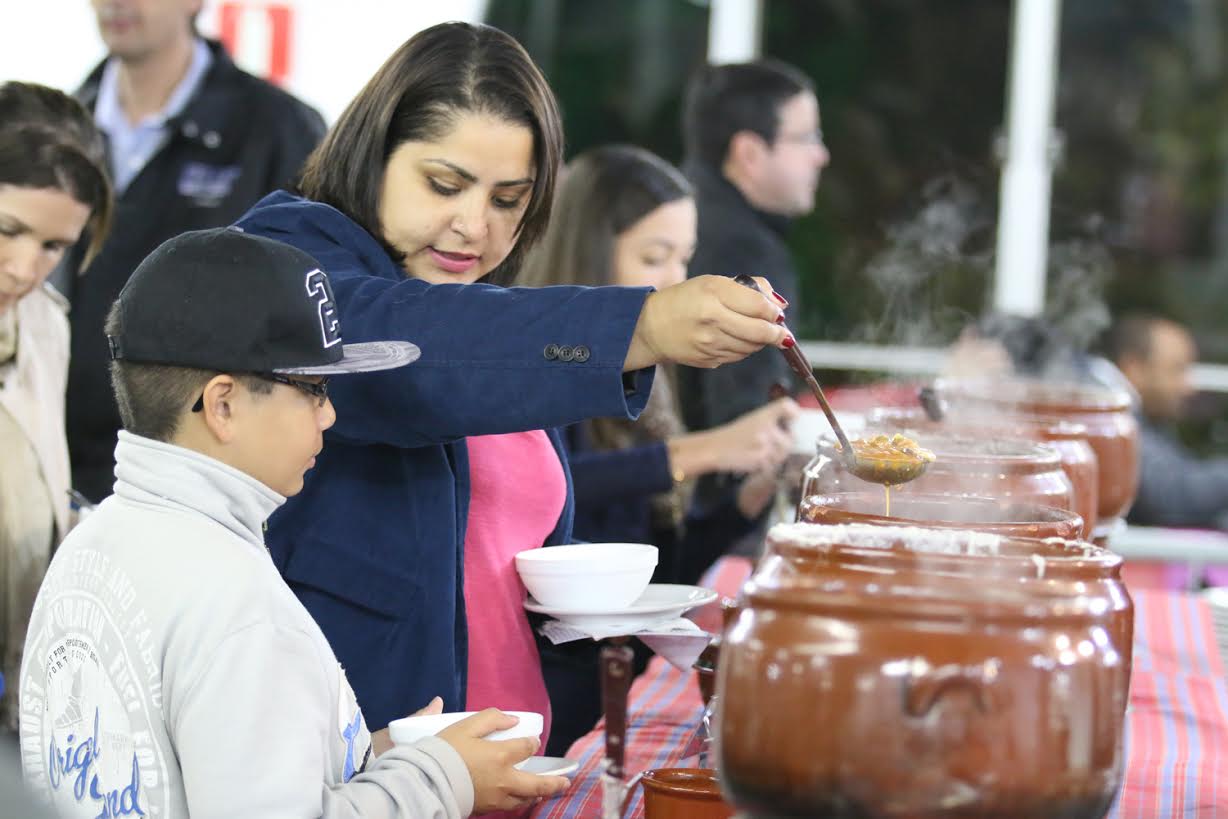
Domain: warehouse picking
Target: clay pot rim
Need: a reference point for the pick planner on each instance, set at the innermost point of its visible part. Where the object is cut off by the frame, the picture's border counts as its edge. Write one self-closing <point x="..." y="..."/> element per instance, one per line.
<point x="958" y="599"/>
<point x="682" y="783"/>
<point x="1038" y="577"/>
<point x="1026" y="559"/>
<point x="1079" y="549"/>
<point x="1056" y="514"/>
<point x="1074" y="396"/>
<point x="872" y="566"/>
<point x="1107" y="561"/>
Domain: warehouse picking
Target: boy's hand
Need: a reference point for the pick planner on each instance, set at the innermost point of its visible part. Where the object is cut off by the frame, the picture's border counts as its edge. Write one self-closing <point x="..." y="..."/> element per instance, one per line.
<point x="497" y="785"/>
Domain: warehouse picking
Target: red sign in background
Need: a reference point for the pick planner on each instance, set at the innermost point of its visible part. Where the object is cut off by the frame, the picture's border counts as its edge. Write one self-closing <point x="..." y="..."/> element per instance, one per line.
<point x="235" y="24"/>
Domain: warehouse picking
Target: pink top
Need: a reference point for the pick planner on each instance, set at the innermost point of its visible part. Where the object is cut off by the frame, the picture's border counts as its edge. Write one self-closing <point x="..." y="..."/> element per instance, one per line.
<point x="517" y="492"/>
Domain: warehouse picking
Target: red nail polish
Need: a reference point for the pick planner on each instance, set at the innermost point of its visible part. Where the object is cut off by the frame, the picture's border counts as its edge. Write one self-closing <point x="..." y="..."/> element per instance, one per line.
<point x="789" y="343"/>
<point x="780" y="319"/>
<point x="780" y="298"/>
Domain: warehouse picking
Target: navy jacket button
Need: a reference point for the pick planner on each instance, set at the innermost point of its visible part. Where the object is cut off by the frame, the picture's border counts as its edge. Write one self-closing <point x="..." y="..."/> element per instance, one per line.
<point x="551" y="352"/>
<point x="566" y="354"/>
<point x="581" y="353"/>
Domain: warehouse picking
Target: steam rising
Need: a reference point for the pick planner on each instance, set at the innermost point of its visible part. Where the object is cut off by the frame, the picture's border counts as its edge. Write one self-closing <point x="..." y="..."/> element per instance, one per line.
<point x="922" y="254"/>
<point x="946" y="249"/>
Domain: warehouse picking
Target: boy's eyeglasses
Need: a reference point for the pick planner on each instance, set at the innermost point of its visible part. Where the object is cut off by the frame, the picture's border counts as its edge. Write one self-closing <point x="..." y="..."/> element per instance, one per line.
<point x="316" y="389"/>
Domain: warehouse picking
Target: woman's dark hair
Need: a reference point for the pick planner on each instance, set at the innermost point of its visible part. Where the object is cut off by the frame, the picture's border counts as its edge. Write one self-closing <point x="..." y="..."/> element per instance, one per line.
<point x="416" y="95"/>
<point x="722" y="100"/>
<point x="49" y="140"/>
<point x="604" y="192"/>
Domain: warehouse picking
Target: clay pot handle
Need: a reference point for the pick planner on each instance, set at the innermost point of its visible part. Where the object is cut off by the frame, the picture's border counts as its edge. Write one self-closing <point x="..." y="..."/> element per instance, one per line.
<point x="922" y="690"/>
<point x="630" y="792"/>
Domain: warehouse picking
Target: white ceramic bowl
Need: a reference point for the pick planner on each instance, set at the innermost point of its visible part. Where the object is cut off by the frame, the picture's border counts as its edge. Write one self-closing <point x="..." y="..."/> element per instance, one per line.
<point x="587" y="576"/>
<point x="409" y="730"/>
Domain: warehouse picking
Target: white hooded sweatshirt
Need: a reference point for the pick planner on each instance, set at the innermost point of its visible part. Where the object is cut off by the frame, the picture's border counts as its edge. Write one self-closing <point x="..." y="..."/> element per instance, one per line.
<point x="170" y="672"/>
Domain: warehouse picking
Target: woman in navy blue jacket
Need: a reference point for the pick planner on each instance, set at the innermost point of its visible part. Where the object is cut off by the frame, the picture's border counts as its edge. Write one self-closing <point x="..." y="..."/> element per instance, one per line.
<point x="627" y="217"/>
<point x="445" y="164"/>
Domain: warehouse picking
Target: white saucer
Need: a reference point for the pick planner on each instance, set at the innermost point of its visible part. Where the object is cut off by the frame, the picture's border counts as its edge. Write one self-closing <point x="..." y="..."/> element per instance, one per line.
<point x="658" y="603"/>
<point x="549" y="765"/>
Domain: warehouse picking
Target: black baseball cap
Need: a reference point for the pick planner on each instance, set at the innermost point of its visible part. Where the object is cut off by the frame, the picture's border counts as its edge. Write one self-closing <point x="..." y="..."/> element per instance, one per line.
<point x="230" y="301"/>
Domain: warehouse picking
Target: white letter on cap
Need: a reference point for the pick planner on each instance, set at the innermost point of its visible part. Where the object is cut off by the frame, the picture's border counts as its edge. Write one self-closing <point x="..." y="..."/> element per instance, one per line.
<point x="319" y="289"/>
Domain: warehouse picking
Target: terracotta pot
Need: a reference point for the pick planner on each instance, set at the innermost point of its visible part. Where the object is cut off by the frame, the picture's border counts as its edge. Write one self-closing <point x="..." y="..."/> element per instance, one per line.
<point x="1106" y="413"/>
<point x="943" y="512"/>
<point x="683" y="793"/>
<point x="994" y="467"/>
<point x="1077" y="457"/>
<point x="1080" y="465"/>
<point x="892" y="673"/>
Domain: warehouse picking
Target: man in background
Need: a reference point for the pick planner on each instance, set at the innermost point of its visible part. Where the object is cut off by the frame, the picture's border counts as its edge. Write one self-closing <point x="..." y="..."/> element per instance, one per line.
<point x="1176" y="487"/>
<point x="194" y="142"/>
<point x="754" y="152"/>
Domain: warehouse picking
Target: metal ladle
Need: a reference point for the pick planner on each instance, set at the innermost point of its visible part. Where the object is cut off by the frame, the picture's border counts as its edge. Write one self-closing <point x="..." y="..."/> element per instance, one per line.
<point x="870" y="468"/>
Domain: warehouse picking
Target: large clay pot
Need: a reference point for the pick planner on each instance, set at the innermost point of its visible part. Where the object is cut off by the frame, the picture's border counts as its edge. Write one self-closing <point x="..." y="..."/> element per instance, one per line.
<point x="905" y="673"/>
<point x="1068" y="438"/>
<point x="974" y="466"/>
<point x="1106" y="413"/>
<point x="943" y="511"/>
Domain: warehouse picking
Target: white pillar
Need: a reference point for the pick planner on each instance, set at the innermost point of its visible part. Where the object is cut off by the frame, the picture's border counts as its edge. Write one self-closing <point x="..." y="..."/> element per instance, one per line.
<point x="1023" y="212"/>
<point x="734" y="30"/>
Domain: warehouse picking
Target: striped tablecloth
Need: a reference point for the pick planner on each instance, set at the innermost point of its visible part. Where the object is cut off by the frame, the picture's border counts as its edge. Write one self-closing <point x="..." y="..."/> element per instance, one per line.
<point x="1177" y="730"/>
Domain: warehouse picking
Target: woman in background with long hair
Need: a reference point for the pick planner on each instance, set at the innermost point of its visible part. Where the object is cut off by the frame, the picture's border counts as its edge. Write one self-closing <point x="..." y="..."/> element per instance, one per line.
<point x="53" y="187"/>
<point x="627" y="217"/>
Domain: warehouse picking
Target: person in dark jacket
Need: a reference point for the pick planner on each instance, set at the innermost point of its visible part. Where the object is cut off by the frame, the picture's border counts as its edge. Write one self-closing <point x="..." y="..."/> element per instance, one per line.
<point x="1176" y="486"/>
<point x="442" y="170"/>
<point x="193" y="142"/>
<point x="754" y="152"/>
<point x="627" y="217"/>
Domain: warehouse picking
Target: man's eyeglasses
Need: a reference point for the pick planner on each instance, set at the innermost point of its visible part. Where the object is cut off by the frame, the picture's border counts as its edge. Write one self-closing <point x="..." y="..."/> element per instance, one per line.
<point x="316" y="389"/>
<point x="814" y="137"/>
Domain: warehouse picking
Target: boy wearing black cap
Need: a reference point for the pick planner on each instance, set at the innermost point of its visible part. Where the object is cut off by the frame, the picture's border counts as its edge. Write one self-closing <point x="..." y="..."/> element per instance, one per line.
<point x="169" y="671"/>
